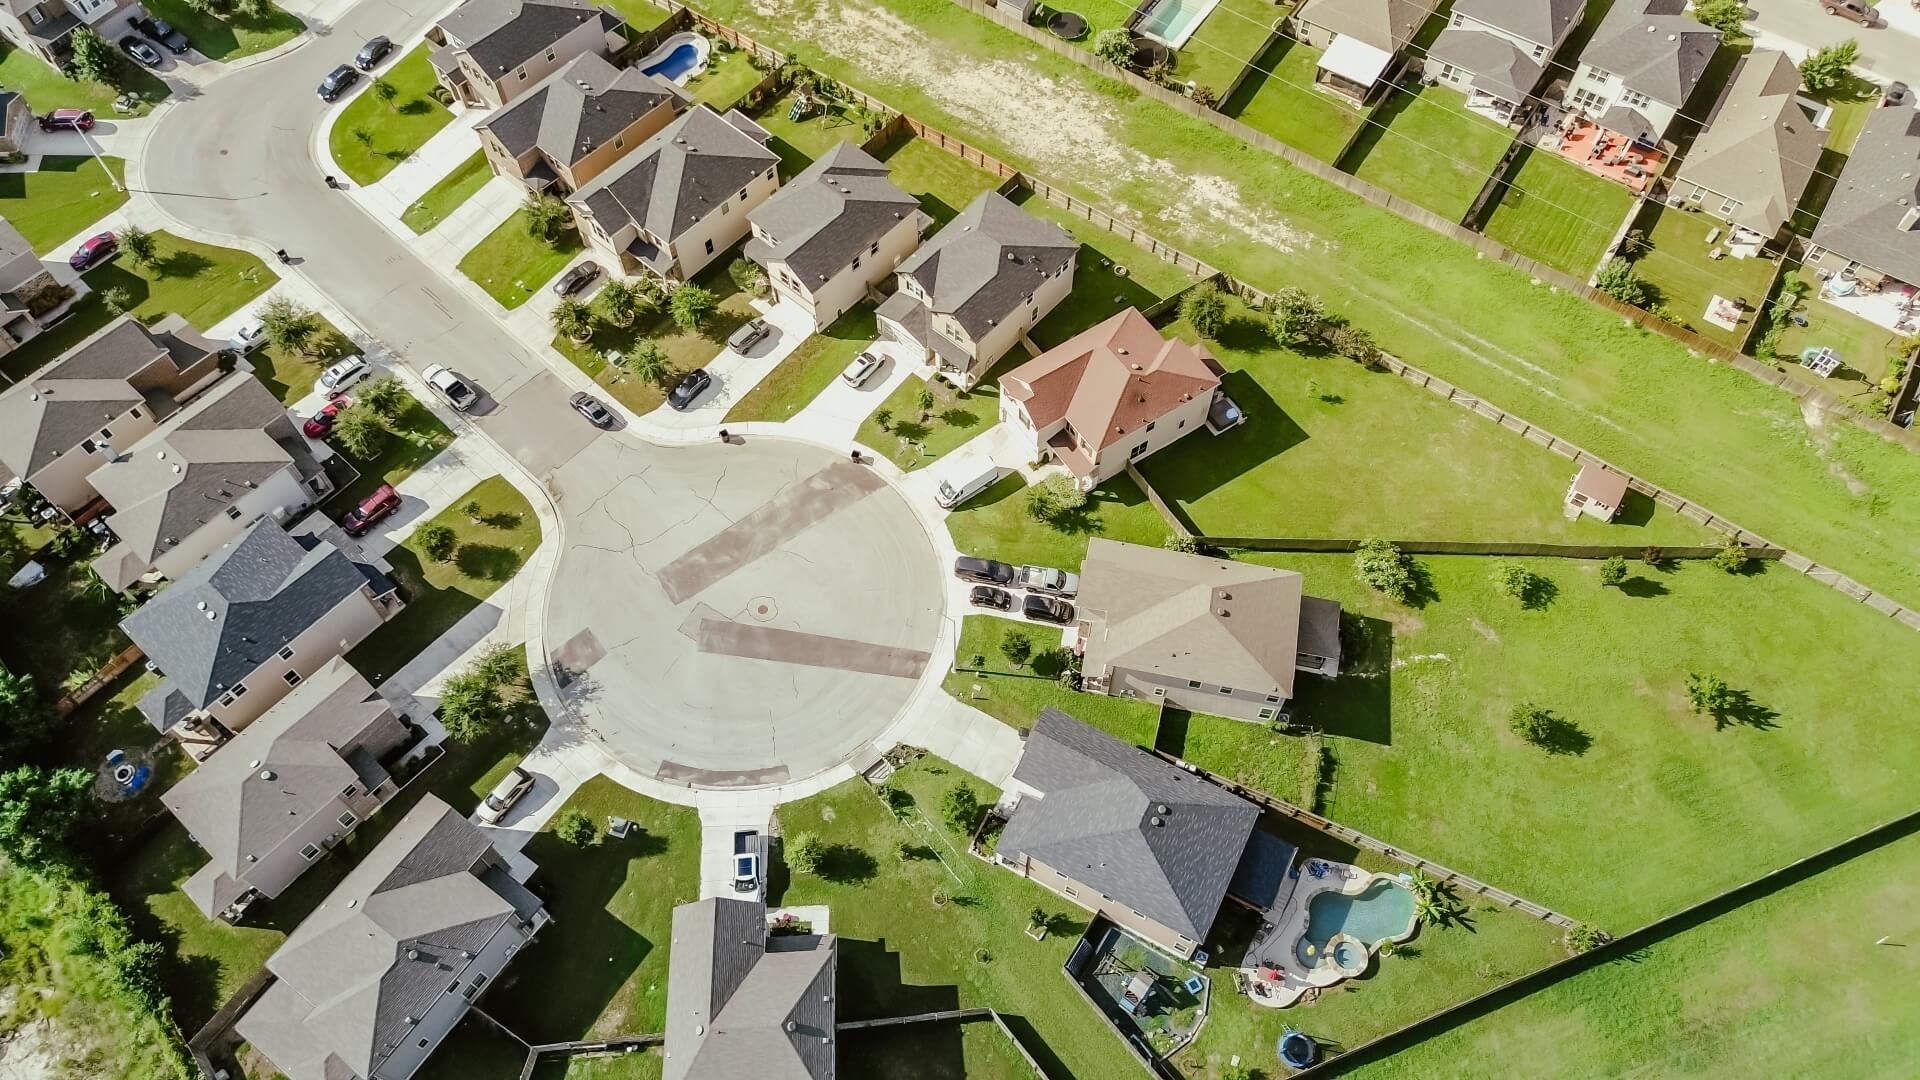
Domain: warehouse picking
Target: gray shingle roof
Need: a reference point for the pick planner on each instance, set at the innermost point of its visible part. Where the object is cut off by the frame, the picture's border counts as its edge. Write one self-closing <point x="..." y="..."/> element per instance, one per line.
<point x="215" y="625"/>
<point x="732" y="995"/>
<point x="1386" y="25"/>
<point x="501" y="35"/>
<point x="48" y="414"/>
<point x="1498" y="67"/>
<point x="1654" y="48"/>
<point x="1159" y="840"/>
<point x="987" y="261"/>
<point x="579" y="107"/>
<point x="1543" y="22"/>
<point x="1877" y="189"/>
<point x="1760" y="146"/>
<point x="831" y="212"/>
<point x="678" y="176"/>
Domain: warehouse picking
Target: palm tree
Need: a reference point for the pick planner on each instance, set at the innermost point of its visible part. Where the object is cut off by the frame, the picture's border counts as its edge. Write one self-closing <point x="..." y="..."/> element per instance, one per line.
<point x="571" y="318"/>
<point x="622" y="301"/>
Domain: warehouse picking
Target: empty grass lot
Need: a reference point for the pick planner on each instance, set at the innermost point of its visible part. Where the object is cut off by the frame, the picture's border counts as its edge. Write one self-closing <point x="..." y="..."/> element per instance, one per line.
<point x="685" y="349"/>
<point x="66" y="195"/>
<point x="1279" y="98"/>
<point x="943" y="182"/>
<point x="995" y="524"/>
<point x="392" y="131"/>
<point x="1424" y="146"/>
<point x="728" y="76"/>
<point x="1555" y="211"/>
<point x="807" y="370"/>
<point x="1678" y="267"/>
<point x="912" y="437"/>
<point x="448" y="194"/>
<point x="230" y="36"/>
<point x="490" y="549"/>
<point x="512" y="264"/>
<point x="46" y="89"/>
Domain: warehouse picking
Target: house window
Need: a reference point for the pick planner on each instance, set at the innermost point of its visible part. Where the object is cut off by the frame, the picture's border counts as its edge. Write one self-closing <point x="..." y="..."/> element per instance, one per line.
<point x="1137" y="451"/>
<point x="521" y="74"/>
<point x="1587" y="100"/>
<point x="1159" y="691"/>
<point x="452" y="986"/>
<point x="1447" y="71"/>
<point x="1729" y="206"/>
<point x="619" y="141"/>
<point x="1266" y="714"/>
<point x="1226" y="689"/>
<point x="310" y="852"/>
<point x="724" y="206"/>
<point x="1150" y="423"/>
<point x="1275" y="698"/>
<point x="875" y="249"/>
<point x="423" y="1044"/>
<point x="1600" y="73"/>
<point x="1193" y="684"/>
<point x="1539" y="51"/>
<point x="1136" y="914"/>
<point x="1635" y="98"/>
<point x="709" y="247"/>
<point x="549" y="56"/>
<point x="88" y="446"/>
<point x="350" y="791"/>
<point x="292" y="677"/>
<point x="135" y="413"/>
<point x="233" y="512"/>
<point x="106" y="433"/>
<point x="286" y="653"/>
<point x="856" y="262"/>
<point x="34" y="16"/>
<point x="347" y="820"/>
<point x="1070" y="891"/>
<point x="742" y="196"/>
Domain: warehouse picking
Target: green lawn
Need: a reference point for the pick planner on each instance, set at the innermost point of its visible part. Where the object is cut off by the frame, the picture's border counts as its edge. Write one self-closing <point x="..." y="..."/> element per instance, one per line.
<point x="808" y="370"/>
<point x="685" y="349"/>
<point x="1727" y="997"/>
<point x="512" y="264"/>
<point x="447" y="195"/>
<point x="58" y="633"/>
<point x="414" y="437"/>
<point x="640" y="15"/>
<point x="600" y="968"/>
<point x="228" y="37"/>
<point x="1555" y="211"/>
<point x="1110" y="275"/>
<point x="900" y="953"/>
<point x="1678" y="266"/>
<point x="728" y="76"/>
<point x="66" y="195"/>
<point x="490" y="550"/>
<point x="1864" y="348"/>
<point x="995" y="524"/>
<point x="912" y="437"/>
<point x="942" y="182"/>
<point x="393" y="132"/>
<point x="290" y="375"/>
<point x="1279" y="99"/>
<point x="1424" y="146"/>
<point x="1225" y="42"/>
<point x="110" y="721"/>
<point x="1433" y="470"/>
<point x="1014" y="696"/>
<point x="798" y="142"/>
<point x="47" y="89"/>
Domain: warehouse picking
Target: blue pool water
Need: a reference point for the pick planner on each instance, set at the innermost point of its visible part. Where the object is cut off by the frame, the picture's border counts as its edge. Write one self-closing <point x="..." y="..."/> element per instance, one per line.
<point x="1384" y="910"/>
<point x="675" y="65"/>
<point x="1173" y="21"/>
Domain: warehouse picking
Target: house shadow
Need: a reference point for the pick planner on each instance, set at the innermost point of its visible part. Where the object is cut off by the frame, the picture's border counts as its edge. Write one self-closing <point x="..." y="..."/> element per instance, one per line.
<point x="1359" y="703"/>
<point x="1636" y="510"/>
<point x="871" y="984"/>
<point x="1202" y="463"/>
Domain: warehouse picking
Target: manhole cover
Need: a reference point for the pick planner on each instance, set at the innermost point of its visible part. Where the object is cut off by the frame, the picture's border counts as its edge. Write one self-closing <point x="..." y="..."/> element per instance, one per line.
<point x="763" y="608"/>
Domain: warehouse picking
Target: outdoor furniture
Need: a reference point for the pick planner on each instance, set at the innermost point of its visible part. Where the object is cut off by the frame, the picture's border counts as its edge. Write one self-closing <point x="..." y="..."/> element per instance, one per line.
<point x="1820" y="360"/>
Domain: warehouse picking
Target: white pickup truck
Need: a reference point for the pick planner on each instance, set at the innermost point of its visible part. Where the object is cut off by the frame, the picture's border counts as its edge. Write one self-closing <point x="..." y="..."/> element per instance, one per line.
<point x="1045" y="579"/>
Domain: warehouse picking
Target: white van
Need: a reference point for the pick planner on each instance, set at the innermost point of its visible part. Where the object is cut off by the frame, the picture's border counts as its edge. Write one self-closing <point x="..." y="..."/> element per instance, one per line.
<point x="970" y="478"/>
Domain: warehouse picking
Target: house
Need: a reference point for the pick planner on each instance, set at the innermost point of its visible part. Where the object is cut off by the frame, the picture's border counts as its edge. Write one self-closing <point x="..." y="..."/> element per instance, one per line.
<point x="16" y="120"/>
<point x="202" y="478"/>
<point x="60" y="424"/>
<point x="1596" y="491"/>
<point x="42" y="27"/>
<point x="1122" y="833"/>
<point x="680" y="200"/>
<point x="833" y="233"/>
<point x="1643" y="63"/>
<point x="1360" y="40"/>
<point x="1206" y="635"/>
<point x="577" y="122"/>
<point x="371" y="982"/>
<point x="287" y="789"/>
<point x="1113" y="394"/>
<point x="971" y="291"/>
<point x="488" y="52"/>
<point x="28" y="290"/>
<point x="1495" y="51"/>
<point x="256" y="618"/>
<point x="1868" y="241"/>
<point x="1752" y="163"/>
<point x="742" y="1003"/>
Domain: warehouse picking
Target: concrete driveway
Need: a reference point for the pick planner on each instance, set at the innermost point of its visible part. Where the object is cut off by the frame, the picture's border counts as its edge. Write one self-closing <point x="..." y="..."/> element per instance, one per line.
<point x="1798" y="27"/>
<point x="743" y="614"/>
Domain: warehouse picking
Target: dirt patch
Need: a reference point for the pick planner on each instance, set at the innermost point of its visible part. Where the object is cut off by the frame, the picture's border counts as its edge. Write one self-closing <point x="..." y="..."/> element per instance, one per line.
<point x="1815" y="418"/>
<point x="1485" y="631"/>
<point x="1422" y="658"/>
<point x="28" y="1053"/>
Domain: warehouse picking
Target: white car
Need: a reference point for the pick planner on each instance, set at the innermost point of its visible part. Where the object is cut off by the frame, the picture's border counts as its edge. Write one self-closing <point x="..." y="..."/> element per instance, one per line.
<point x="249" y="336"/>
<point x="342" y="374"/>
<point x="458" y="392"/>
<point x="508" y="791"/>
<point x="861" y="369"/>
<point x="1045" y="579"/>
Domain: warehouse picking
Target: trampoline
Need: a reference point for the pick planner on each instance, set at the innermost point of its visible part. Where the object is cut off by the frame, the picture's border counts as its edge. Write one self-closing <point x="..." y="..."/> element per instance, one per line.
<point x="1148" y="52"/>
<point x="1298" y="1050"/>
<point x="1067" y="26"/>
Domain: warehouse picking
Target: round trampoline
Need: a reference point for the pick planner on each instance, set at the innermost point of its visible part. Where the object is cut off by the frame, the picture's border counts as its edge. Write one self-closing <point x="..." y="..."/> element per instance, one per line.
<point x="1148" y="52"/>
<point x="1067" y="26"/>
<point x="1298" y="1050"/>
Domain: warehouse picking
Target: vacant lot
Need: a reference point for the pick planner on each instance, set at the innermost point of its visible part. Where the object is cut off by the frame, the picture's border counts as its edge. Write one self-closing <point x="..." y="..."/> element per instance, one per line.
<point x="512" y="264"/>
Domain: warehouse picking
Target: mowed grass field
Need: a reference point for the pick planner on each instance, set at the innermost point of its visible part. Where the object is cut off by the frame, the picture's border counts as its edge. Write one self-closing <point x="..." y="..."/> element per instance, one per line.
<point x="1557" y="212"/>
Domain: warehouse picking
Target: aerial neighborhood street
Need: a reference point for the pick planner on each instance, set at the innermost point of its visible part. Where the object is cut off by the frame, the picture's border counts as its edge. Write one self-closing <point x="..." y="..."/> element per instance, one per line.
<point x="1199" y="539"/>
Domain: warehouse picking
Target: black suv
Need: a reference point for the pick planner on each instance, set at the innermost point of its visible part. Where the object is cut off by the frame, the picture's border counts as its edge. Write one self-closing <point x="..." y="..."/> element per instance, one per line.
<point x="982" y="571"/>
<point x="1047" y="609"/>
<point x="989" y="597"/>
<point x="337" y="81"/>
<point x="163" y="32"/>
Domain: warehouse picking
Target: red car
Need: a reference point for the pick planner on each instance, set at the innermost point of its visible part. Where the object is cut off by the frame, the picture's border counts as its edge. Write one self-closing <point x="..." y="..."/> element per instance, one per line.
<point x="67" y="120"/>
<point x="322" y="422"/>
<point x="372" y="510"/>
<point x="96" y="250"/>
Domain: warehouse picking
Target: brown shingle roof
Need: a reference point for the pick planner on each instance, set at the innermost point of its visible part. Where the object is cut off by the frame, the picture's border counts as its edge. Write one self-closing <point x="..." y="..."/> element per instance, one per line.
<point x="1112" y="379"/>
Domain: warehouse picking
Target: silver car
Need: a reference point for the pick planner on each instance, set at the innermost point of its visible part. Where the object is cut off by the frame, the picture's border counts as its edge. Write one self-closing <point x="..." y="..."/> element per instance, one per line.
<point x="511" y="788"/>
<point x="861" y="369"/>
<point x="750" y="334"/>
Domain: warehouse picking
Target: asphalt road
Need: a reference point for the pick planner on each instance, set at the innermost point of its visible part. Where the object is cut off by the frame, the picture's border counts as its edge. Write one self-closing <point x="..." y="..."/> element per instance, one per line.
<point x="1889" y="52"/>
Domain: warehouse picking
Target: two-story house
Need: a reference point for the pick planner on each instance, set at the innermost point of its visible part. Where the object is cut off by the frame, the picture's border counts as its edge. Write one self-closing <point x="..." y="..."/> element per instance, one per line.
<point x="255" y="619"/>
<point x="580" y="120"/>
<point x="970" y="291"/>
<point x="287" y="789"/>
<point x="42" y="27"/>
<point x="838" y="229"/>
<point x="1206" y="635"/>
<point x="1495" y="51"/>
<point x="1634" y="77"/>
<point x="1752" y="164"/>
<point x="16" y="120"/>
<point x="370" y="984"/>
<point x="1361" y="41"/>
<point x="1867" y="245"/>
<point x="488" y="52"/>
<point x="1113" y="394"/>
<point x="229" y="458"/>
<point x="742" y="1000"/>
<point x="28" y="291"/>
<point x="681" y="200"/>
<point x="61" y="423"/>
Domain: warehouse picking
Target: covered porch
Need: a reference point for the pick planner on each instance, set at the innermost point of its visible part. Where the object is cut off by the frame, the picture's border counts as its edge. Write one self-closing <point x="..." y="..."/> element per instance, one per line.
<point x="1351" y="68"/>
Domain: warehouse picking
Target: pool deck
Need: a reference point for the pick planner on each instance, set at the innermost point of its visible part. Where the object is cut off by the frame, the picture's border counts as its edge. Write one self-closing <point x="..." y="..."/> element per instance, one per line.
<point x="1274" y="950"/>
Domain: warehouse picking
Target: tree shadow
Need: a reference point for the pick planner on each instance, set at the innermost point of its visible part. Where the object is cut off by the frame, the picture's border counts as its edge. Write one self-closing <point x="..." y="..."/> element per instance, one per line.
<point x="844" y="864"/>
<point x="960" y="418"/>
<point x="183" y="264"/>
<point x="1643" y="588"/>
<point x="1421" y="591"/>
<point x="910" y="430"/>
<point x="504" y="520"/>
<point x="414" y="107"/>
<point x="1540" y="593"/>
<point x="1560" y="736"/>
<point x="487" y="562"/>
<point x="1743" y="711"/>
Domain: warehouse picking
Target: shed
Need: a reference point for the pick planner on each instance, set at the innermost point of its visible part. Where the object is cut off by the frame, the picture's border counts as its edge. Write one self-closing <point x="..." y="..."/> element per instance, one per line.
<point x="1596" y="491"/>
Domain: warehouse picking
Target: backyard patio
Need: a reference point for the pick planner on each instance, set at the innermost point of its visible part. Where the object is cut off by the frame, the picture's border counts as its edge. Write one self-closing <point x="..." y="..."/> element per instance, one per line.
<point x="1144" y="992"/>
<point x="1606" y="154"/>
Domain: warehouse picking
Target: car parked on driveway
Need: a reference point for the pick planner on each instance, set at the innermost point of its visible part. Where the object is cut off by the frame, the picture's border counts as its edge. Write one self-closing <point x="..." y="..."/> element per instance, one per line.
<point x="987" y="596"/>
<point x="248" y="336"/>
<point x="371" y="511"/>
<point x="144" y="54"/>
<point x="446" y="382"/>
<point x="163" y="32"/>
<point x="861" y="369"/>
<point x="337" y="81"/>
<point x="1045" y="579"/>
<point x="341" y="374"/>
<point x="592" y="408"/>
<point x="983" y="571"/>
<point x="751" y="333"/>
<point x="96" y="250"/>
<point x="1047" y="609"/>
<point x="1853" y="11"/>
<point x="746" y="860"/>
<point x="67" y="120"/>
<point x="691" y="386"/>
<point x="322" y="422"/>
<point x="511" y="789"/>
<point x="576" y="279"/>
<point x="372" y="52"/>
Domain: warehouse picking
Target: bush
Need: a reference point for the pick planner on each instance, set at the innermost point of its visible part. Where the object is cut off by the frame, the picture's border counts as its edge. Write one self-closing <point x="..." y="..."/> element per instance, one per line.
<point x="961" y="807"/>
<point x="1618" y="280"/>
<point x="690" y="305"/>
<point x="442" y="95"/>
<point x="1206" y="308"/>
<point x="1583" y="938"/>
<point x="645" y="360"/>
<point x="576" y="828"/>
<point x="1380" y="565"/>
<point x="436" y="541"/>
<point x="547" y="217"/>
<point x="1613" y="571"/>
<point x="804" y="853"/>
<point x="748" y="277"/>
<point x="384" y="395"/>
<point x="572" y="320"/>
<point x="359" y="432"/>
<point x="139" y="244"/>
<point x="1355" y="344"/>
<point x="1054" y="498"/>
<point x="1182" y="543"/>
<point x="1517" y="581"/>
<point x="92" y="57"/>
<point x="474" y="701"/>
<point x="1725" y="16"/>
<point x="1731" y="557"/>
<point x="1709" y="694"/>
<point x="1115" y="46"/>
<point x="1829" y="67"/>
<point x="1531" y="722"/>
<point x="1295" y="313"/>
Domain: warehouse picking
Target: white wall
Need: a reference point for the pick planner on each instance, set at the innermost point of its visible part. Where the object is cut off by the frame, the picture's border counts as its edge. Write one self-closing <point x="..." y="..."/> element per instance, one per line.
<point x="282" y="489"/>
<point x="351" y="620"/>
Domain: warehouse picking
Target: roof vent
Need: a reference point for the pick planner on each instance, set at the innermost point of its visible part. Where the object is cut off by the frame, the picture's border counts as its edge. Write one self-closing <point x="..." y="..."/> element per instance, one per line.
<point x="176" y="469"/>
<point x="410" y="1020"/>
<point x="254" y="764"/>
<point x="1161" y="809"/>
<point x="413" y="954"/>
<point x="1122" y="350"/>
<point x="35" y="396"/>
<point x="253" y="858"/>
<point x="209" y="616"/>
<point x="699" y="1029"/>
<point x="791" y="1025"/>
<point x="266" y="774"/>
<point x="202" y="605"/>
<point x="1673" y="37"/>
<point x="1157" y="822"/>
<point x="161" y="454"/>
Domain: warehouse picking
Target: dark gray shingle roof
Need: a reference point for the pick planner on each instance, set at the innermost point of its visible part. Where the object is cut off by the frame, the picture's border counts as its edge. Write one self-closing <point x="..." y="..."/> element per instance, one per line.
<point x="1654" y="48"/>
<point x="501" y="35"/>
<point x="831" y="212"/>
<point x="1876" y="191"/>
<point x="579" y="107"/>
<point x="49" y="413"/>
<point x="732" y="995"/>
<point x="988" y="260"/>
<point x="1542" y="22"/>
<point x="1498" y="67"/>
<point x="678" y="176"/>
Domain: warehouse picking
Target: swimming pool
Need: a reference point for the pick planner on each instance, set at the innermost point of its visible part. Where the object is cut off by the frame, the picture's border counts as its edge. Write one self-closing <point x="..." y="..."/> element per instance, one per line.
<point x="678" y="58"/>
<point x="1174" y="21"/>
<point x="1380" y="912"/>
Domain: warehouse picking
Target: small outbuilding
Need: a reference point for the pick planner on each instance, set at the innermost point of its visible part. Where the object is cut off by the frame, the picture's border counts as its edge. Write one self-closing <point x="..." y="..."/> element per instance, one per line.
<point x="1596" y="491"/>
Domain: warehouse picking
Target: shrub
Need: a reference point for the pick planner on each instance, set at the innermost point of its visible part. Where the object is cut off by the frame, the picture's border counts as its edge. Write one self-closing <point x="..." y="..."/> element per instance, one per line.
<point x="139" y="244"/>
<point x="1709" y="694"/>
<point x="645" y="360"/>
<point x="1618" y="280"/>
<point x="1182" y="543"/>
<point x="1054" y="498"/>
<point x="1583" y="938"/>
<point x="748" y="277"/>
<point x="690" y="305"/>
<point x="1828" y="67"/>
<point x="622" y="301"/>
<point x="1516" y="581"/>
<point x="359" y="432"/>
<point x="960" y="806"/>
<point x="1725" y="16"/>
<point x="576" y="828"/>
<point x="572" y="320"/>
<point x="1016" y="646"/>
<point x="883" y="419"/>
<point x="547" y="217"/>
<point x="1731" y="557"/>
<point x="1294" y="313"/>
<point x="804" y="853"/>
<point x="1206" y="96"/>
<point x="1354" y="343"/>
<point x="92" y="57"/>
<point x="1380" y="565"/>
<point x="436" y="541"/>
<point x="116" y="300"/>
<point x="1206" y="308"/>
<point x="1531" y="722"/>
<point x="1115" y="46"/>
<point x="384" y="395"/>
<point x="1613" y="571"/>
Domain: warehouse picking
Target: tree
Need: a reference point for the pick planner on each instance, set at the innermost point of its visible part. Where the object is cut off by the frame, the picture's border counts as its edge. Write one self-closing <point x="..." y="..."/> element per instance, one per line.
<point x="1515" y="581"/>
<point x="1016" y="646"/>
<point x="385" y="92"/>
<point x="116" y="300"/>
<point x="804" y="853"/>
<point x="1295" y="313"/>
<point x="1205" y="96"/>
<point x="1055" y="497"/>
<point x="1354" y="343"/>
<point x="92" y="57"/>
<point x="1618" y="280"/>
<point x="469" y="708"/>
<point x="1380" y="565"/>
<point x="646" y="361"/>
<point x="1725" y="16"/>
<point x="436" y="541"/>
<point x="748" y="277"/>
<point x="1709" y="694"/>
<point x="1205" y="307"/>
<point x="960" y="806"/>
<point x="576" y="828"/>
<point x="1115" y="46"/>
<point x="384" y="395"/>
<point x="1531" y="722"/>
<point x="139" y="245"/>
<point x="1613" y="571"/>
<point x="1582" y="938"/>
<point x="359" y="431"/>
<point x="622" y="301"/>
<point x="25" y="721"/>
<point x="471" y="508"/>
<point x="547" y="217"/>
<point x="289" y="325"/>
<point x="1829" y="67"/>
<point x="690" y="305"/>
<point x="571" y="318"/>
<point x="1731" y="557"/>
<point x="883" y="419"/>
<point x="38" y="807"/>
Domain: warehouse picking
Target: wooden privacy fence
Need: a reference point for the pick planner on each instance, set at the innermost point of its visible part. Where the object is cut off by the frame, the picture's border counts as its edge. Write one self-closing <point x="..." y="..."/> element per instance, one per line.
<point x="1467" y="547"/>
<point x="108" y="672"/>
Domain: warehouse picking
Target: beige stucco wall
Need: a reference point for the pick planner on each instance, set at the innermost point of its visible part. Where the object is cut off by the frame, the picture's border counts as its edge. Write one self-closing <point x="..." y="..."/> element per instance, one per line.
<point x="64" y="480"/>
<point x="281" y="490"/>
<point x="500" y="87"/>
<point x="724" y="227"/>
<point x="603" y="156"/>
<point x="831" y="299"/>
<point x="1091" y="898"/>
<point x="350" y="621"/>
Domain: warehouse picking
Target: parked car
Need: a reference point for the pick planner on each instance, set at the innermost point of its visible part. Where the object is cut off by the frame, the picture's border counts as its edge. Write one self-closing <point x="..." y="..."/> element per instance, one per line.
<point x="691" y="386"/>
<point x="337" y="81"/>
<point x="371" y="511"/>
<point x="67" y="120"/>
<point x="96" y="250"/>
<point x="163" y="32"/>
<point x="752" y="333"/>
<point x="576" y="279"/>
<point x="144" y="54"/>
<point x="1896" y="93"/>
<point x="861" y="369"/>
<point x="746" y="860"/>
<point x="322" y="422"/>
<point x="446" y="382"/>
<point x="983" y="571"/>
<point x="1047" y="609"/>
<point x="341" y="374"/>
<point x="248" y="336"/>
<point x="372" y="52"/>
<point x="511" y="788"/>
<point x="1853" y="11"/>
<point x="1046" y="579"/>
<point x="987" y="596"/>
<point x="970" y="477"/>
<point x="592" y="408"/>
